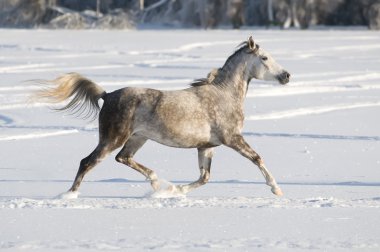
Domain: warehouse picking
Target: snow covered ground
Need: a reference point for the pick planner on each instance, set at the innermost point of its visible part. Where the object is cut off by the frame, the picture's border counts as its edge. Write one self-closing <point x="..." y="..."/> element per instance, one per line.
<point x="319" y="136"/>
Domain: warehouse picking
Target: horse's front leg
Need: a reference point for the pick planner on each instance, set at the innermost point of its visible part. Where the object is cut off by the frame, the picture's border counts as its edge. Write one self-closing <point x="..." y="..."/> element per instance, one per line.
<point x="238" y="143"/>
<point x="204" y="161"/>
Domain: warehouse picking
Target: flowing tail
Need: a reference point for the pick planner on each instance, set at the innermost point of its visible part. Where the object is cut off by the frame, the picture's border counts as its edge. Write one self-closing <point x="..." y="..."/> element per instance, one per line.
<point x="84" y="94"/>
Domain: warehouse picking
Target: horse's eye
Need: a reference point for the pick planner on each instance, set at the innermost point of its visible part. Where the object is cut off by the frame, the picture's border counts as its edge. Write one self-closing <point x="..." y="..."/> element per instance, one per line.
<point x="264" y="58"/>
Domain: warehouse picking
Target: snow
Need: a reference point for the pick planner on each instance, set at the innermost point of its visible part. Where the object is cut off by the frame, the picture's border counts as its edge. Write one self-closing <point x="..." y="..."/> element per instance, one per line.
<point x="319" y="137"/>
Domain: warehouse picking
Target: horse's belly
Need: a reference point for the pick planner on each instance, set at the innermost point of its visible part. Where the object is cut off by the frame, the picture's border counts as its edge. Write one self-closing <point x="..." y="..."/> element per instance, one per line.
<point x="186" y="142"/>
<point x="184" y="138"/>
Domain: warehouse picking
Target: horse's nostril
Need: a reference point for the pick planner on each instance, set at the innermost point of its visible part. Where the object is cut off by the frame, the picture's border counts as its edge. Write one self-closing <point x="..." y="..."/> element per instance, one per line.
<point x="284" y="77"/>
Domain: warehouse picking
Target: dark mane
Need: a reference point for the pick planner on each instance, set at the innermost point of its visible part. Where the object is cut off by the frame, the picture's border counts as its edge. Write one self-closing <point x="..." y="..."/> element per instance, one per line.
<point x="200" y="82"/>
<point x="242" y="46"/>
<point x="206" y="81"/>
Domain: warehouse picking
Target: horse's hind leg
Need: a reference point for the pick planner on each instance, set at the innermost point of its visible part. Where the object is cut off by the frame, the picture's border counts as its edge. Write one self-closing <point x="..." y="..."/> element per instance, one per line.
<point x="88" y="163"/>
<point x="204" y="160"/>
<point x="240" y="145"/>
<point x="125" y="156"/>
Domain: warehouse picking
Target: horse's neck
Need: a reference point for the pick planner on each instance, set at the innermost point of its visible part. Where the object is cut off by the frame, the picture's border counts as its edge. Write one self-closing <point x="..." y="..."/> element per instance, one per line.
<point x="236" y="81"/>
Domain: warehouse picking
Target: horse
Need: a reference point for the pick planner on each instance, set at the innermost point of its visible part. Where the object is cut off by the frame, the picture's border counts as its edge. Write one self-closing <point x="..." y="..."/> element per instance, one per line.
<point x="205" y="115"/>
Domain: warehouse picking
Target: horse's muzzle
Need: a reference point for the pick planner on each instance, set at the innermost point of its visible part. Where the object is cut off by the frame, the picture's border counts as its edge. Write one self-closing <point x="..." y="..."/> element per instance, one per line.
<point x="284" y="77"/>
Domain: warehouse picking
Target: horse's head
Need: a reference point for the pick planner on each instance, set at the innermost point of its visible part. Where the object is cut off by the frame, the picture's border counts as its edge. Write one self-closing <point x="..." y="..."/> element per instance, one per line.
<point x="263" y="66"/>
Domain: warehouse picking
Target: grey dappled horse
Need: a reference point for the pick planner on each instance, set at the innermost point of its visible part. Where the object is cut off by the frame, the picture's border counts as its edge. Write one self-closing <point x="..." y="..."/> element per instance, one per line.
<point x="203" y="116"/>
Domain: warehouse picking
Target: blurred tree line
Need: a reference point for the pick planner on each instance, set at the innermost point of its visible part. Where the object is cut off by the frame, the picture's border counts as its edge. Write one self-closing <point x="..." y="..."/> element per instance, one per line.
<point x="188" y="13"/>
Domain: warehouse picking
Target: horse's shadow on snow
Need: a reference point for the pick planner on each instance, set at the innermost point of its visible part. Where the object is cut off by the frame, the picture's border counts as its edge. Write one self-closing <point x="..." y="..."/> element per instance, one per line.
<point x="233" y="182"/>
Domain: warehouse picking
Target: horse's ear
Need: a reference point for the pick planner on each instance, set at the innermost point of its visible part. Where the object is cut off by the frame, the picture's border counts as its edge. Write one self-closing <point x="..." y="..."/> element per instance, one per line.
<point x="251" y="44"/>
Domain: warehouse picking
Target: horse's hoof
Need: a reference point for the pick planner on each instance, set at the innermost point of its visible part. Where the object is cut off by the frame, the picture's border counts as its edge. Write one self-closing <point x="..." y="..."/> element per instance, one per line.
<point x="277" y="191"/>
<point x="182" y="189"/>
<point x="173" y="189"/>
<point x="68" y="195"/>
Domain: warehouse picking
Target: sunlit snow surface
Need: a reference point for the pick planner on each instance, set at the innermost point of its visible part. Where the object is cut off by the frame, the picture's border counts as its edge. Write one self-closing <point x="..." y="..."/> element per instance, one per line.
<point x="319" y="136"/>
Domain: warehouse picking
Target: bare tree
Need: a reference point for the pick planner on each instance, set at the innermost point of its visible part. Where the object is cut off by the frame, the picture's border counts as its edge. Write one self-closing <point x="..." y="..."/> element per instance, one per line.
<point x="312" y="13"/>
<point x="141" y="5"/>
<point x="374" y="16"/>
<point x="292" y="19"/>
<point x="51" y="3"/>
<point x="270" y="12"/>
<point x="235" y="13"/>
<point x="97" y="8"/>
<point x="151" y="7"/>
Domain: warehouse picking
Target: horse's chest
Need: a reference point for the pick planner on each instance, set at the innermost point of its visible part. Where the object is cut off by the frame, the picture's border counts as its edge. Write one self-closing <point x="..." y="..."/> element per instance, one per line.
<point x="230" y="119"/>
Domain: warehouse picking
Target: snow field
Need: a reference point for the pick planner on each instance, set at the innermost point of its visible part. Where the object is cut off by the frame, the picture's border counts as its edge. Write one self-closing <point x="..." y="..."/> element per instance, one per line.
<point x="319" y="136"/>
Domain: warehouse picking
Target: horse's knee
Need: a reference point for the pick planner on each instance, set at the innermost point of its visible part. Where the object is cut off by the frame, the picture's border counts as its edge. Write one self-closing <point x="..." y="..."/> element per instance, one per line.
<point x="124" y="160"/>
<point x="85" y="163"/>
<point x="119" y="159"/>
<point x="94" y="158"/>
<point x="257" y="160"/>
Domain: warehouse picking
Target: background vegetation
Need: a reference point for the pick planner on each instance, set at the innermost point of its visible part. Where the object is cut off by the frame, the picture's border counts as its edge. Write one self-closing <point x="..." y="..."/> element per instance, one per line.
<point x="120" y="14"/>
